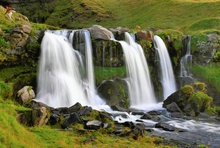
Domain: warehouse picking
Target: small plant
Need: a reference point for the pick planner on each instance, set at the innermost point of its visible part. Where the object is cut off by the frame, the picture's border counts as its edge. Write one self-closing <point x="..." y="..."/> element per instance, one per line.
<point x="3" y="43"/>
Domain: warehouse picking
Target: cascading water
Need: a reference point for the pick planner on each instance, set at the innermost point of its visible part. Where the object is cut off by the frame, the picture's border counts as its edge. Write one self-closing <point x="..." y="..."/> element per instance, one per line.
<point x="60" y="83"/>
<point x="91" y="91"/>
<point x="186" y="60"/>
<point x="167" y="76"/>
<point x="139" y="83"/>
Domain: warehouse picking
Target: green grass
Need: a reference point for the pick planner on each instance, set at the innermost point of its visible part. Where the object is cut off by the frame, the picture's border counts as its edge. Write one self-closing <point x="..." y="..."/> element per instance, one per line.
<point x="13" y="134"/>
<point x="171" y="14"/>
<point x="106" y="73"/>
<point x="211" y="73"/>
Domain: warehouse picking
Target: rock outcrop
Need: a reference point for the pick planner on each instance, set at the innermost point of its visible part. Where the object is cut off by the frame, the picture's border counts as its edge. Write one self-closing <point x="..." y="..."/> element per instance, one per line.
<point x="190" y="100"/>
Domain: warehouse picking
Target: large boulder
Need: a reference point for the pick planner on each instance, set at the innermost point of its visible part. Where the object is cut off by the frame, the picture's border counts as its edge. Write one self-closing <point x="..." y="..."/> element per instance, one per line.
<point x="99" y="32"/>
<point x="40" y="116"/>
<point x="207" y="50"/>
<point x="190" y="99"/>
<point x="25" y="95"/>
<point x="115" y="92"/>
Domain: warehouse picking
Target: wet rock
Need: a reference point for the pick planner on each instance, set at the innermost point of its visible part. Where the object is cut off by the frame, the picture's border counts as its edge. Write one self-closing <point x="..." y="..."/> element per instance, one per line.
<point x="85" y="111"/>
<point x="105" y="116"/>
<point x="137" y="131"/>
<point x="115" y="92"/>
<point x="147" y="116"/>
<point x="68" y="110"/>
<point x="118" y="108"/>
<point x="93" y="125"/>
<point x="190" y="99"/>
<point x="154" y="112"/>
<point x="73" y="118"/>
<point x="128" y="124"/>
<point x="165" y="126"/>
<point x="136" y="112"/>
<point x="173" y="107"/>
<point x="176" y="115"/>
<point x="119" y="32"/>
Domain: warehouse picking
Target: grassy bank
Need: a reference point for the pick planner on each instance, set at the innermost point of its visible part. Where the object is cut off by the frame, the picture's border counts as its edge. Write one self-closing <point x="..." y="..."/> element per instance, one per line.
<point x="186" y="16"/>
<point x="13" y="134"/>
<point x="211" y="73"/>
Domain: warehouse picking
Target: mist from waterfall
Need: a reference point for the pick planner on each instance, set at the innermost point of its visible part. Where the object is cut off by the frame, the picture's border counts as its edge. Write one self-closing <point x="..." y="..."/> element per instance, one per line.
<point x="141" y="91"/>
<point x="60" y="82"/>
<point x="166" y="77"/>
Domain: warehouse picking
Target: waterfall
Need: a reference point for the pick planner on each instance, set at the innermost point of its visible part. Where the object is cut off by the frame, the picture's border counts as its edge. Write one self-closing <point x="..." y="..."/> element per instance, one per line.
<point x="186" y="60"/>
<point x="139" y="83"/>
<point x="91" y="91"/>
<point x="60" y="82"/>
<point x="167" y="77"/>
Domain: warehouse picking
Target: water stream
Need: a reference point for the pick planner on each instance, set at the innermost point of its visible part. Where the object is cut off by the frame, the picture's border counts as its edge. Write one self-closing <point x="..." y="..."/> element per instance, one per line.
<point x="167" y="77"/>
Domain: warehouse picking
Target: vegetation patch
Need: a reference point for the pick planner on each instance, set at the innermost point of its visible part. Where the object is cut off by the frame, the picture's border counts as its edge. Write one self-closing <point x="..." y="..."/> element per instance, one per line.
<point x="211" y="73"/>
<point x="107" y="73"/>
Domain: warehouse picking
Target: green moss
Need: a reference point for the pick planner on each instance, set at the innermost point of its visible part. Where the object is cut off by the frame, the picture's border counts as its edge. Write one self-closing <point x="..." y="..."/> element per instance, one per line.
<point x="201" y="100"/>
<point x="195" y="39"/>
<point x="5" y="90"/>
<point x="106" y="73"/>
<point x="187" y="89"/>
<point x="210" y="73"/>
<point x="216" y="57"/>
<point x="3" y="43"/>
<point x="200" y="86"/>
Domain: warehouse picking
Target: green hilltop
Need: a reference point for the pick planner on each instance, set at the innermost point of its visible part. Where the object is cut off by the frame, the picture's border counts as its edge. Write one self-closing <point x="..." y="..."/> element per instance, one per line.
<point x="183" y="15"/>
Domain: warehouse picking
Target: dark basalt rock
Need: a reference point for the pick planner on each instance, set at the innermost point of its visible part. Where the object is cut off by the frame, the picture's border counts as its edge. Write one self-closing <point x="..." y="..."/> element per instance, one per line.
<point x="118" y="108"/>
<point x="147" y="116"/>
<point x="85" y="111"/>
<point x="73" y="118"/>
<point x="54" y="118"/>
<point x="93" y="125"/>
<point x="68" y="110"/>
<point x="165" y="126"/>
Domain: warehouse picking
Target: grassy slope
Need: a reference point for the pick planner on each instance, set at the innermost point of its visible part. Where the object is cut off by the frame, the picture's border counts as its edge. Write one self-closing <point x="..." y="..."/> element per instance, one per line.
<point x="13" y="134"/>
<point x="211" y="73"/>
<point x="182" y="15"/>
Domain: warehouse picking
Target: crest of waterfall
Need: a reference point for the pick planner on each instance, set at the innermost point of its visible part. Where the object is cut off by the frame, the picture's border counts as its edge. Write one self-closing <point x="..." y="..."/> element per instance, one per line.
<point x="186" y="60"/>
<point x="60" y="82"/>
<point x="167" y="77"/>
<point x="138" y="77"/>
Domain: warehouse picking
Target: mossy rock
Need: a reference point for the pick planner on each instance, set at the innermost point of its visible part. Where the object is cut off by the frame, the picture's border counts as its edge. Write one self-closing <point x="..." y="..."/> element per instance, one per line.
<point x="187" y="89"/>
<point x="115" y="92"/>
<point x="200" y="101"/>
<point x="200" y="86"/>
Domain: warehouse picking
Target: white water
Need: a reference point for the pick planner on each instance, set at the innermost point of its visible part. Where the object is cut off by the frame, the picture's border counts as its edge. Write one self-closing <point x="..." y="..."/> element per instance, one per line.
<point x="186" y="61"/>
<point x="138" y="77"/>
<point x="60" y="83"/>
<point x="167" y="76"/>
<point x="92" y="96"/>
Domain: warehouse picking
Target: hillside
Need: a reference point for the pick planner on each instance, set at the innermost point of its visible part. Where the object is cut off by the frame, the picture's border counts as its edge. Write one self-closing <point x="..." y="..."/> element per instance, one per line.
<point x="183" y="15"/>
<point x="186" y="16"/>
